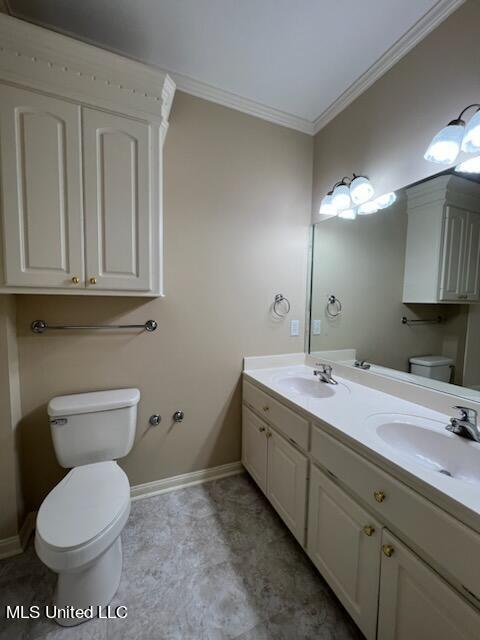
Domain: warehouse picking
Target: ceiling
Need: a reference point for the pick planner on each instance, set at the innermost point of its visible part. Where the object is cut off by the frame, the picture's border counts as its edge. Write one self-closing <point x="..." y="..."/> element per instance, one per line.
<point x="295" y="62"/>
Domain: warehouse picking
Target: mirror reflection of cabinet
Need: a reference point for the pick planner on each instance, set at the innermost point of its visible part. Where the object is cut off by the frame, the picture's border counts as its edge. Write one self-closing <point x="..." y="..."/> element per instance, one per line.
<point x="442" y="260"/>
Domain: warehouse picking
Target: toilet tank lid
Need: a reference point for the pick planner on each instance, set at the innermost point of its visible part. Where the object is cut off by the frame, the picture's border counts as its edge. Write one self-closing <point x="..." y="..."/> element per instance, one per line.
<point x="91" y="402"/>
<point x="431" y="361"/>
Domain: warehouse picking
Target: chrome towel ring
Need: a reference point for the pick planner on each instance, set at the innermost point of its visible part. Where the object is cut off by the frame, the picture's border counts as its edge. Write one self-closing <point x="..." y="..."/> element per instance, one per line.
<point x="280" y="306"/>
<point x="334" y="306"/>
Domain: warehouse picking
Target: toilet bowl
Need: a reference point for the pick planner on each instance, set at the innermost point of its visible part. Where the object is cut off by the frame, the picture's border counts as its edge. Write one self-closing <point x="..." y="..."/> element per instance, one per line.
<point x="80" y="521"/>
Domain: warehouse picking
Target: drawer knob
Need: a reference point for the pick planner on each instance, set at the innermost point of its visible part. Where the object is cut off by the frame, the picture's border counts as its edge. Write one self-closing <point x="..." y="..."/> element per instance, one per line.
<point x="266" y="408"/>
<point x="261" y="429"/>
<point x="368" y="530"/>
<point x="388" y="550"/>
<point x="379" y="496"/>
<point x="93" y="281"/>
<point x="75" y="280"/>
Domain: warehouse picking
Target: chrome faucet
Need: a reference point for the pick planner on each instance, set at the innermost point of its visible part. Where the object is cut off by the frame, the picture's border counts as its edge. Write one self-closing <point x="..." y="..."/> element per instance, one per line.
<point x="361" y="364"/>
<point x="465" y="426"/>
<point x="324" y="373"/>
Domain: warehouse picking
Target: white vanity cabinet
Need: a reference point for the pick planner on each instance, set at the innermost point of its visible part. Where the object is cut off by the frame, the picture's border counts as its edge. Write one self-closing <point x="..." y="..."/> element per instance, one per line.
<point x="81" y="138"/>
<point x="274" y="460"/>
<point x="442" y="260"/>
<point x="421" y="583"/>
<point x="344" y="544"/>
<point x="415" y="602"/>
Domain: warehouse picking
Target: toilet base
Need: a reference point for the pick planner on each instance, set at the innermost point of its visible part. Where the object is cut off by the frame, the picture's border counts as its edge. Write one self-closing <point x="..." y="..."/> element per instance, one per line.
<point x="95" y="585"/>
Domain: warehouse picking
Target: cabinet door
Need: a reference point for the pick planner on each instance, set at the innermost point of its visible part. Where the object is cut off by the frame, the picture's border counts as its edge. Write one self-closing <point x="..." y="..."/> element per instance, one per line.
<point x="416" y="603"/>
<point x="471" y="278"/>
<point x="287" y="483"/>
<point x="344" y="544"/>
<point x="41" y="190"/>
<point x="452" y="267"/>
<point x="254" y="448"/>
<point x="117" y="179"/>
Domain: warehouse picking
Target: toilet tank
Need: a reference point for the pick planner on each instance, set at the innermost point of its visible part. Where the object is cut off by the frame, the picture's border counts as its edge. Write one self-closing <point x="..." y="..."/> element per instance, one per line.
<point x="435" y="367"/>
<point x="93" y="427"/>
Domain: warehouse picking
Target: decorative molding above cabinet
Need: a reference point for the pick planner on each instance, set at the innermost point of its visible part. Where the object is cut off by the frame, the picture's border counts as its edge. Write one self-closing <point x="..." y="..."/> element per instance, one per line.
<point x="81" y="140"/>
<point x="442" y="260"/>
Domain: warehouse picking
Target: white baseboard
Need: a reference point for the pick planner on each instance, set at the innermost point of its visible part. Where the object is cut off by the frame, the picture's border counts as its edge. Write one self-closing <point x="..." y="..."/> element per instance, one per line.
<point x="16" y="544"/>
<point x="185" y="480"/>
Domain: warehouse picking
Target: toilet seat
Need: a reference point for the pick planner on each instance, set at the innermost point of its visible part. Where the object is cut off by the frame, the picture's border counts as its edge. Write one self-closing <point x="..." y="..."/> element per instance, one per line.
<point x="82" y="516"/>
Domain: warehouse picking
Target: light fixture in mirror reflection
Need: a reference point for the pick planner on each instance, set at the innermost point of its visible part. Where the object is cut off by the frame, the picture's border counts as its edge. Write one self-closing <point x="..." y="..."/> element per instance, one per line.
<point x="447" y="143"/>
<point x="420" y="262"/>
<point x="350" y="197"/>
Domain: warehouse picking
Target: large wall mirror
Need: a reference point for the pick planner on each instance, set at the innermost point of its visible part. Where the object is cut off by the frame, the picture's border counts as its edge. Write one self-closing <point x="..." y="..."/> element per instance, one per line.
<point x="398" y="291"/>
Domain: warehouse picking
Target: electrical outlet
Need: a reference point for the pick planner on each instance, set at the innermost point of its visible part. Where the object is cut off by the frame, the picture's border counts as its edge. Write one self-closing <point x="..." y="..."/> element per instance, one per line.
<point x="316" y="327"/>
<point x="294" y="328"/>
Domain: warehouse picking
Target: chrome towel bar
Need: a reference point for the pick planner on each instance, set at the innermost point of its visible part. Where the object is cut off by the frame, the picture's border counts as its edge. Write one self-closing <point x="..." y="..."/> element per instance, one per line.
<point x="40" y="326"/>
<point x="411" y="321"/>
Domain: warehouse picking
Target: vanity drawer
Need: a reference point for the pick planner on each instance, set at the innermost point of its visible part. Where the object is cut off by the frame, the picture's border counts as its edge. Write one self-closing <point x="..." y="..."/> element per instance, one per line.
<point x="449" y="543"/>
<point x="292" y="425"/>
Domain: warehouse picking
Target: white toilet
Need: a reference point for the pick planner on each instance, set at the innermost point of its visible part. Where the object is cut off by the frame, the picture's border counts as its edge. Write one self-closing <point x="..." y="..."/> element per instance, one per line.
<point x="80" y="521"/>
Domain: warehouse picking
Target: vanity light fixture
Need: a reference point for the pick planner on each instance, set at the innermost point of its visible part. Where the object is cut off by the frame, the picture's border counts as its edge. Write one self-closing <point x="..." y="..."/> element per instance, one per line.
<point x="472" y="165"/>
<point x="361" y="189"/>
<point x="326" y="206"/>
<point x="446" y="144"/>
<point x="353" y="196"/>
<point x="385" y="200"/>
<point x="367" y="208"/>
<point x="348" y="214"/>
<point x="341" y="196"/>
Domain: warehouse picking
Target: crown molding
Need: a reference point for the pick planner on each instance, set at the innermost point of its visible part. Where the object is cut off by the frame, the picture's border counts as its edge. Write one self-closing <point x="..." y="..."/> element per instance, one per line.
<point x="426" y="24"/>
<point x="245" y="105"/>
<point x="402" y="46"/>
<point x="48" y="61"/>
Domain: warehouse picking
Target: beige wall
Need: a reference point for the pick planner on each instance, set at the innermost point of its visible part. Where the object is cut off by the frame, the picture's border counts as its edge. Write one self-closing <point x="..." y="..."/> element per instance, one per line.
<point x="11" y="511"/>
<point x="237" y="210"/>
<point x="384" y="132"/>
<point x="362" y="263"/>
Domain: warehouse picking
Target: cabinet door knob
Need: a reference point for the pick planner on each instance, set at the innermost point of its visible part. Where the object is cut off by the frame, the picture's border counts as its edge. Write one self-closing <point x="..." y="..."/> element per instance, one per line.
<point x="368" y="530"/>
<point x="266" y="408"/>
<point x="93" y="281"/>
<point x="388" y="550"/>
<point x="75" y="280"/>
<point x="261" y="429"/>
<point x="379" y="496"/>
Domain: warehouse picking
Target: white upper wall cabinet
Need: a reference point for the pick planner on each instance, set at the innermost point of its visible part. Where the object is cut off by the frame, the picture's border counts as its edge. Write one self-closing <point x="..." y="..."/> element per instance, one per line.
<point x="81" y="138"/>
<point x="118" y="178"/>
<point x="41" y="189"/>
<point x="442" y="261"/>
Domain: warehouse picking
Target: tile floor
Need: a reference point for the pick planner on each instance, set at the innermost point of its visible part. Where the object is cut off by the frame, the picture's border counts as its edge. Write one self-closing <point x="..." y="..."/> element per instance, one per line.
<point x="210" y="562"/>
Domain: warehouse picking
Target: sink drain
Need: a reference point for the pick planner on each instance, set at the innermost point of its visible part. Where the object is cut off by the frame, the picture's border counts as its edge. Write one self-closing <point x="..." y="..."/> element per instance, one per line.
<point x="446" y="473"/>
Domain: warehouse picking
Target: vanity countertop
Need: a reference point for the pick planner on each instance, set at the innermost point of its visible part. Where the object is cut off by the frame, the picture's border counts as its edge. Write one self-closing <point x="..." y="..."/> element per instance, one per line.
<point x="347" y="412"/>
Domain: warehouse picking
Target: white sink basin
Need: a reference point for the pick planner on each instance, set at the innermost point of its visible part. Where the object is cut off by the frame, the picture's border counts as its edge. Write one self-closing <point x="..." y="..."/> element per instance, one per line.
<point x="308" y="386"/>
<point x="427" y="443"/>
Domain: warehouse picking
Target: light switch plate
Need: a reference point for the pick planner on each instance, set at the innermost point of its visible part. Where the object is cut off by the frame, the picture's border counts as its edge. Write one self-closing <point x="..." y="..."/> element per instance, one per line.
<point x="294" y="328"/>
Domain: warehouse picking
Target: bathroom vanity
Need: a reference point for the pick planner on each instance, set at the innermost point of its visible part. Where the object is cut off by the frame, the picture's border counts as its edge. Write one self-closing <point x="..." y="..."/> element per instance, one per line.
<point x="383" y="499"/>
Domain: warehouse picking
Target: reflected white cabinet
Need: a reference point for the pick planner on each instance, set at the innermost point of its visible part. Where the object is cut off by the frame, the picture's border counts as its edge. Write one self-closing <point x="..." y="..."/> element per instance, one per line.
<point x="81" y="139"/>
<point x="41" y="189"/>
<point x="278" y="468"/>
<point x="442" y="261"/>
<point x="415" y="602"/>
<point x="343" y="541"/>
<point x="118" y="174"/>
